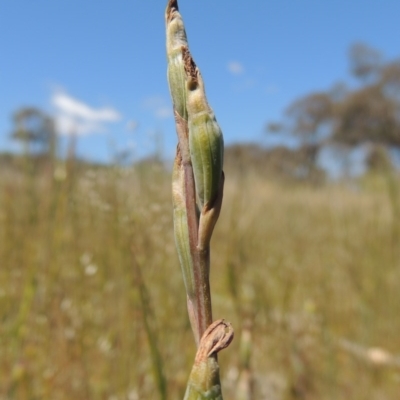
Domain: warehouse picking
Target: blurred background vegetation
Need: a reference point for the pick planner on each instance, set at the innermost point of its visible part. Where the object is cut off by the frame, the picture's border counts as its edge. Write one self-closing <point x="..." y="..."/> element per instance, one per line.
<point x="307" y="268"/>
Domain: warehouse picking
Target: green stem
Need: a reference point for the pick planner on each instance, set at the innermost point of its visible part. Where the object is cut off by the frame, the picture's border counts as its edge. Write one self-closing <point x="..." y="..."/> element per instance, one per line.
<point x="203" y="292"/>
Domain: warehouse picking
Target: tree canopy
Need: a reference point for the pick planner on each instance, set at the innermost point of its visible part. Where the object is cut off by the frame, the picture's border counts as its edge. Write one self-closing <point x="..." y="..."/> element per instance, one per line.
<point x="34" y="129"/>
<point x="367" y="112"/>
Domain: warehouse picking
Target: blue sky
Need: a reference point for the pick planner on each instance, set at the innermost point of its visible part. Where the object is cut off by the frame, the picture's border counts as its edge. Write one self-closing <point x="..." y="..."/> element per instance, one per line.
<point x="100" y="66"/>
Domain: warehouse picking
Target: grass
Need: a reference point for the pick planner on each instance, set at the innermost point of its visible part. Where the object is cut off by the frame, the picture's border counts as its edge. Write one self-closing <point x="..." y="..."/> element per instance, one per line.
<point x="315" y="271"/>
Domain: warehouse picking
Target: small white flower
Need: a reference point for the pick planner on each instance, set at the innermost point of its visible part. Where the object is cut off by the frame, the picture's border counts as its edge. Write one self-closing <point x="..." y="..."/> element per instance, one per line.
<point x="378" y="356"/>
<point x="85" y="259"/>
<point x="90" y="269"/>
<point x="104" y="345"/>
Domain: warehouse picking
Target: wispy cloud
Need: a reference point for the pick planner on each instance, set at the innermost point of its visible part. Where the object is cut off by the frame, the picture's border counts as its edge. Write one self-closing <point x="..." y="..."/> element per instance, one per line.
<point x="73" y="116"/>
<point x="235" y="68"/>
<point x="158" y="105"/>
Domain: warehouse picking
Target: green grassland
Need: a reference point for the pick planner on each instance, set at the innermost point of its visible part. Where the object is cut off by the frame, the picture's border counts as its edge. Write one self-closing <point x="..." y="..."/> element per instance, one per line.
<point x="92" y="303"/>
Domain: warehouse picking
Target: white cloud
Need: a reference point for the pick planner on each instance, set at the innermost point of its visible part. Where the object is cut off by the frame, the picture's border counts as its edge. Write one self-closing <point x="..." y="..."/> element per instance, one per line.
<point x="235" y="68"/>
<point x="75" y="117"/>
<point x="159" y="106"/>
<point x="68" y="125"/>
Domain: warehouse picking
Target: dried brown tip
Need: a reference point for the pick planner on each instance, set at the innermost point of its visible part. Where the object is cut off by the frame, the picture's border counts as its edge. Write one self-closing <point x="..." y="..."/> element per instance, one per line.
<point x="172" y="7"/>
<point x="217" y="337"/>
<point x="191" y="70"/>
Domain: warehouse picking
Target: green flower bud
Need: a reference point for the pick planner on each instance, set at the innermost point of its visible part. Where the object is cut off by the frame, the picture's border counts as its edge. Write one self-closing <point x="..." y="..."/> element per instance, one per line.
<point x="176" y="38"/>
<point x="205" y="136"/>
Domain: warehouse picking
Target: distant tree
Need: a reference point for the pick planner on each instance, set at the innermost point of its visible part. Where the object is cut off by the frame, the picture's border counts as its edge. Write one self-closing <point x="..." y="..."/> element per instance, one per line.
<point x="35" y="130"/>
<point x="378" y="159"/>
<point x="274" y="127"/>
<point x="345" y="118"/>
<point x="390" y="81"/>
<point x="365" y="61"/>
<point x="278" y="163"/>
<point x="367" y="115"/>
<point x="311" y="115"/>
